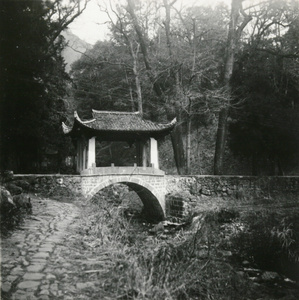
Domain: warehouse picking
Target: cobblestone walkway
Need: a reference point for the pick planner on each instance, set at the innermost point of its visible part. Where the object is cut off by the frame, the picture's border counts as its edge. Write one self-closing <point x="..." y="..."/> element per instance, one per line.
<point x="30" y="260"/>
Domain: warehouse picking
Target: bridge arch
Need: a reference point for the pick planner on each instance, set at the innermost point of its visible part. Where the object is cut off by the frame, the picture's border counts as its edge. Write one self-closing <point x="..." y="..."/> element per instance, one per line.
<point x="153" y="201"/>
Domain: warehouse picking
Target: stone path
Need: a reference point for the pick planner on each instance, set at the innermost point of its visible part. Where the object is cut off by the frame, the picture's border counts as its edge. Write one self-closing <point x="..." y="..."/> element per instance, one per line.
<point x="30" y="261"/>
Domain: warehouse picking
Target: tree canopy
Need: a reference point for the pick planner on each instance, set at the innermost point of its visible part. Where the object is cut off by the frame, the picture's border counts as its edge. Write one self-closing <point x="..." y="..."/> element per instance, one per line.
<point x="227" y="74"/>
<point x="33" y="81"/>
<point x="190" y="63"/>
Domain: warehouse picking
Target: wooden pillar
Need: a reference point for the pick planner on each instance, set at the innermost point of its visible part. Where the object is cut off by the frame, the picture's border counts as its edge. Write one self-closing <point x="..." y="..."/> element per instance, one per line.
<point x="91" y="156"/>
<point x="82" y="154"/>
<point x="141" y="153"/>
<point x="154" y="159"/>
<point x="78" y="168"/>
<point x="144" y="164"/>
<point x="138" y="153"/>
<point x="84" y="164"/>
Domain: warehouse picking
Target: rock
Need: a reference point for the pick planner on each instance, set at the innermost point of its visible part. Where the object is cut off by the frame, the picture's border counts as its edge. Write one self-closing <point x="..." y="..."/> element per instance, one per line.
<point x="172" y="226"/>
<point x="226" y="253"/>
<point x="54" y="287"/>
<point x="205" y="191"/>
<point x="28" y="284"/>
<point x="270" y="276"/>
<point x="46" y="249"/>
<point x="84" y="285"/>
<point x="50" y="277"/>
<point x="5" y="287"/>
<point x="16" y="271"/>
<point x="8" y="209"/>
<point x="245" y="263"/>
<point x="36" y="267"/>
<point x="25" y="185"/>
<point x="157" y="228"/>
<point x="13" y="189"/>
<point x="197" y="223"/>
<point x="253" y="274"/>
<point x="25" y="262"/>
<point x="5" y="198"/>
<point x="59" y="181"/>
<point x="33" y="276"/>
<point x="6" y="176"/>
<point x="11" y="278"/>
<point x="41" y="255"/>
<point x="44" y="292"/>
<point x="22" y="201"/>
<point x="22" y="295"/>
<point x="202" y="253"/>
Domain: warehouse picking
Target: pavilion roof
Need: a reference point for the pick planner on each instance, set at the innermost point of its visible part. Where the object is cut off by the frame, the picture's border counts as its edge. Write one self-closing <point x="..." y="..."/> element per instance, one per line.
<point x="115" y="125"/>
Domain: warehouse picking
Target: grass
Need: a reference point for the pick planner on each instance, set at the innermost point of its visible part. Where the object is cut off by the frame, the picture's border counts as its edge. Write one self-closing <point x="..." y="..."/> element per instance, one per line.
<point x="270" y="240"/>
<point x="148" y="267"/>
<point x="112" y="254"/>
<point x="10" y="218"/>
<point x="187" y="264"/>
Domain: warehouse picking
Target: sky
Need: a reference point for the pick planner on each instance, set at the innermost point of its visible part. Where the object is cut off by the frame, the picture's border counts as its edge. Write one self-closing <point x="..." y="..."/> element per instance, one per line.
<point x="90" y="25"/>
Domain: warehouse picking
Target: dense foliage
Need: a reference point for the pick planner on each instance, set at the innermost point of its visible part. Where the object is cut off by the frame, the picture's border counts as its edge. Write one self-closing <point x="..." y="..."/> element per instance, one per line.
<point x="170" y="62"/>
<point x="211" y="67"/>
<point x="33" y="82"/>
<point x="174" y="76"/>
<point x="264" y="127"/>
<point x="200" y="261"/>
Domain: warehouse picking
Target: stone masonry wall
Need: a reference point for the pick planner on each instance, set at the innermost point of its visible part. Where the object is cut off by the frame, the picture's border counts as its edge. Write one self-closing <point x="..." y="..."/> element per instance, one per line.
<point x="155" y="183"/>
<point x="73" y="185"/>
<point x="54" y="186"/>
<point x="186" y="194"/>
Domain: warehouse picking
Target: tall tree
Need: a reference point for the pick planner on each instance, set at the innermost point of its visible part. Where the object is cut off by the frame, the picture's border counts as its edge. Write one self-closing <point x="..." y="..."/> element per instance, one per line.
<point x="32" y="80"/>
<point x="177" y="66"/>
<point x="103" y="79"/>
<point x="177" y="133"/>
<point x="234" y="33"/>
<point x="264" y="128"/>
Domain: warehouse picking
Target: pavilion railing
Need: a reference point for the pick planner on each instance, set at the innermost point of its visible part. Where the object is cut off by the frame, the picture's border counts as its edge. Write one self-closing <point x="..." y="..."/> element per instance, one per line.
<point x="122" y="170"/>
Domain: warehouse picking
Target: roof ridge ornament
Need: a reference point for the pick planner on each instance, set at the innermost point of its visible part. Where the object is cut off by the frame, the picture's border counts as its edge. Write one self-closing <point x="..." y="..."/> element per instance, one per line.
<point x="80" y="120"/>
<point x="116" y="112"/>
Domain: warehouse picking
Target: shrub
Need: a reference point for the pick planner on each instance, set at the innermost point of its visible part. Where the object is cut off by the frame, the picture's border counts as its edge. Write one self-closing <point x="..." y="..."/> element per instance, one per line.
<point x="185" y="265"/>
<point x="270" y="240"/>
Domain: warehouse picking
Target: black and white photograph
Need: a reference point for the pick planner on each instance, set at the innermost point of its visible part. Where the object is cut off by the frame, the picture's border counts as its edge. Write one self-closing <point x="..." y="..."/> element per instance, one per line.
<point x="149" y="149"/>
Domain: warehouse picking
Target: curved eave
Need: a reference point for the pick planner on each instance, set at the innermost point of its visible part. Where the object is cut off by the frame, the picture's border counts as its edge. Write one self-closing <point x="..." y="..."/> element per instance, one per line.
<point x="85" y="127"/>
<point x="77" y="124"/>
<point x="66" y="129"/>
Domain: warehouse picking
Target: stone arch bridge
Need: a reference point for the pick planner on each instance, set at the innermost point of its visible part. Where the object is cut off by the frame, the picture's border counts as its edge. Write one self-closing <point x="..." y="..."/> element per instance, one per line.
<point x="148" y="183"/>
<point x="158" y="191"/>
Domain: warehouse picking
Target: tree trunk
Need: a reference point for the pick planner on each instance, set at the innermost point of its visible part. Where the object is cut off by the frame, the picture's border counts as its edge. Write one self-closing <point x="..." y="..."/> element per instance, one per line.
<point x="178" y="149"/>
<point x="177" y="133"/>
<point x="143" y="46"/>
<point x="234" y="34"/>
<point x="188" y="146"/>
<point x="220" y="141"/>
<point x="137" y="80"/>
